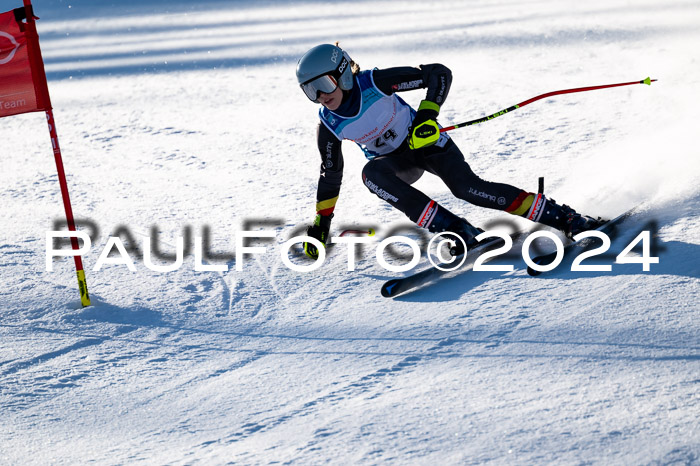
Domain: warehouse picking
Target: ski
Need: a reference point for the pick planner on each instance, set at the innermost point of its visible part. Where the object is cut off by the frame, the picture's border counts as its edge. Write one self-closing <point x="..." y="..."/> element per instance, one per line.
<point x="607" y="228"/>
<point x="396" y="286"/>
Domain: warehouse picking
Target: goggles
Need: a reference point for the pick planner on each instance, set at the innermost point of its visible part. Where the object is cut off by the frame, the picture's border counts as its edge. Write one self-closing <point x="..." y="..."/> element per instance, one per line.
<point x="325" y="84"/>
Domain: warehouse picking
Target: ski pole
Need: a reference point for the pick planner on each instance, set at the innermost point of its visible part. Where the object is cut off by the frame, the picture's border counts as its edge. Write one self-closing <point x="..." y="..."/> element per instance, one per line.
<point x="369" y="232"/>
<point x="646" y="81"/>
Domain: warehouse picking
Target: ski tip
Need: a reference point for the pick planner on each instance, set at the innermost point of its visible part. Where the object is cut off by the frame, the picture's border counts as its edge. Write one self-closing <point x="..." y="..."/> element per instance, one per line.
<point x="532" y="272"/>
<point x="389" y="288"/>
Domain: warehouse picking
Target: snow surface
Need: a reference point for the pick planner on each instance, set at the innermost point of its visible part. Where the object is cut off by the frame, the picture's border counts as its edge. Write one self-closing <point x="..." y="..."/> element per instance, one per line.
<point x="176" y="114"/>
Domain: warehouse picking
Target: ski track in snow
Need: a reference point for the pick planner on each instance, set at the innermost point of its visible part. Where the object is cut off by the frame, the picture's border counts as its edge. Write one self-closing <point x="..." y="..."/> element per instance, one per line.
<point x="175" y="115"/>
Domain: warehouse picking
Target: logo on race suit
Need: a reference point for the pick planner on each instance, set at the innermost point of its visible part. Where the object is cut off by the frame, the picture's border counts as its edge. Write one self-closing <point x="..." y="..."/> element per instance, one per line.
<point x="379" y="191"/>
<point x="536" y="209"/>
<point x="484" y="195"/>
<point x="7" y="58"/>
<point x="405" y="86"/>
<point x="329" y="155"/>
<point x="429" y="212"/>
<point x="443" y="88"/>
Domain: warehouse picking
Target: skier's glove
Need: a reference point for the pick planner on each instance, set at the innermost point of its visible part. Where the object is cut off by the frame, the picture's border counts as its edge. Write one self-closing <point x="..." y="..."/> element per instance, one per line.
<point x="424" y="130"/>
<point x="319" y="230"/>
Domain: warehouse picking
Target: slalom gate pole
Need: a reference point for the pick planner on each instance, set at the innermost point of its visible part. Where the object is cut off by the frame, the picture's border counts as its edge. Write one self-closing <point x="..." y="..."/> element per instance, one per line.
<point x="70" y="221"/>
<point x="646" y="81"/>
<point x="41" y="87"/>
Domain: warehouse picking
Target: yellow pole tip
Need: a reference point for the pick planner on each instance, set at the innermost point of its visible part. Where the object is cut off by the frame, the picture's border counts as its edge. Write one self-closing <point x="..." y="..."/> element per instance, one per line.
<point x="371" y="232"/>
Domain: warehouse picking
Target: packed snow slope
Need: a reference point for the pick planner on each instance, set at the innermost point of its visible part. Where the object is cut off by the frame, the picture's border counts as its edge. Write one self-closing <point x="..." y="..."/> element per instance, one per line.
<point x="177" y="116"/>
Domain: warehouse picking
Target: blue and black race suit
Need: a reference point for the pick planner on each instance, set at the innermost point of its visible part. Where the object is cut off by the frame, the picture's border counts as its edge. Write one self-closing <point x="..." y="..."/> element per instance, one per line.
<point x="378" y="120"/>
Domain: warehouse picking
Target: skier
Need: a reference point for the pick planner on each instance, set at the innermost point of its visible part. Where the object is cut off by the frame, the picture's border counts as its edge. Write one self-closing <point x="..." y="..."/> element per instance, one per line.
<point x="401" y="144"/>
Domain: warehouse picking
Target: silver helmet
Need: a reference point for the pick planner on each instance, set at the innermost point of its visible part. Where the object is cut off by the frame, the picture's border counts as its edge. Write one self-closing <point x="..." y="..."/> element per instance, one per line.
<point x="323" y="69"/>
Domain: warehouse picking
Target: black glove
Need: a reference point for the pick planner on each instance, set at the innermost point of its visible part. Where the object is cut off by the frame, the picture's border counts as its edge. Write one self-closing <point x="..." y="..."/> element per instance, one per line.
<point x="424" y="130"/>
<point x="319" y="230"/>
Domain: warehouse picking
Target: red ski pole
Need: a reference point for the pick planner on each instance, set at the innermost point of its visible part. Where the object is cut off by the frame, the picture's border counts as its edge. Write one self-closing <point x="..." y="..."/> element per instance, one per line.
<point x="646" y="81"/>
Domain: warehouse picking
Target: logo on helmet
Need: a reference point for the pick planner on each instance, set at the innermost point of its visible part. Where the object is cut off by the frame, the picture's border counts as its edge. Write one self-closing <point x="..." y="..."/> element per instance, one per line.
<point x="342" y="66"/>
<point x="334" y="57"/>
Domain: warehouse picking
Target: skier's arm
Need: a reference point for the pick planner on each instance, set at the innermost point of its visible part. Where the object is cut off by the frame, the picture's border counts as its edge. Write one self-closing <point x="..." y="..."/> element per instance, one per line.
<point x="331" y="175"/>
<point x="436" y="78"/>
<point x="328" y="188"/>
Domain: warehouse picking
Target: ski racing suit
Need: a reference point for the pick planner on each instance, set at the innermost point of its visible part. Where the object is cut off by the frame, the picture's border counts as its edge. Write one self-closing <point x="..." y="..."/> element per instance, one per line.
<point x="378" y="120"/>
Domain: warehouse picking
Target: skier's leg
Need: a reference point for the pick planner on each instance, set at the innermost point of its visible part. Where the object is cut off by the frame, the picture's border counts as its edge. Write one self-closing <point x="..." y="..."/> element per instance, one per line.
<point x="448" y="163"/>
<point x="536" y="207"/>
<point x="390" y="178"/>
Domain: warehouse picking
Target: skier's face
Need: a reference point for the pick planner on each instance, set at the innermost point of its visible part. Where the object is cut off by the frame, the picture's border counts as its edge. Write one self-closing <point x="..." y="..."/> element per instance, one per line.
<point x="331" y="101"/>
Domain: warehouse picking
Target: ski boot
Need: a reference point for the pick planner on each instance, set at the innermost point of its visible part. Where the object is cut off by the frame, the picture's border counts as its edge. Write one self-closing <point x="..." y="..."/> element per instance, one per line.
<point x="566" y="219"/>
<point x="467" y="232"/>
<point x="445" y="221"/>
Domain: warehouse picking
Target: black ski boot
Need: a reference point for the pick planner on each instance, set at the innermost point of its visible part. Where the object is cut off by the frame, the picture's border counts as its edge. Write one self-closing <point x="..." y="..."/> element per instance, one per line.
<point x="467" y="232"/>
<point x="566" y="219"/>
<point x="445" y="221"/>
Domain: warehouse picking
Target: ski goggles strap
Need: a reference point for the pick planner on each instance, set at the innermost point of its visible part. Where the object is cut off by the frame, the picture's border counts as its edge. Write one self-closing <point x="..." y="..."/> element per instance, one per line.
<point x="325" y="84"/>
